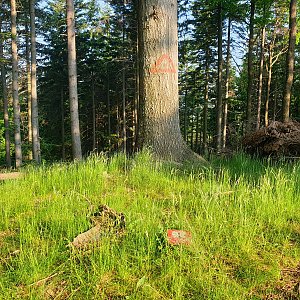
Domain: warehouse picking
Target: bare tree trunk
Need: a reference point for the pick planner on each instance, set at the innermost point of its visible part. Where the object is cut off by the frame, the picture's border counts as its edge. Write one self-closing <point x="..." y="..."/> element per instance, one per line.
<point x="225" y="109"/>
<point x="160" y="130"/>
<point x="29" y="106"/>
<point x="73" y="94"/>
<point x="5" y="100"/>
<point x="205" y="108"/>
<point x="219" y="81"/>
<point x="15" y="85"/>
<point x="93" y="112"/>
<point x="261" y="70"/>
<point x="290" y="62"/>
<point x="62" y="116"/>
<point x="108" y="111"/>
<point x="268" y="86"/>
<point x="124" y="136"/>
<point x="36" y="149"/>
<point x="249" y="120"/>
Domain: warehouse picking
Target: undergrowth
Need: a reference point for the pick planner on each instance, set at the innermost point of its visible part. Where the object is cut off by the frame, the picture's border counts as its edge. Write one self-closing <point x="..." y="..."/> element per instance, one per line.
<point x="243" y="214"/>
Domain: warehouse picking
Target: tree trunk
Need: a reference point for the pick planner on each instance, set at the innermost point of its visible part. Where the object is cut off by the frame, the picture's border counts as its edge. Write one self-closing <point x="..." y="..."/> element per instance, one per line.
<point x="36" y="150"/>
<point x="268" y="86"/>
<point x="225" y="109"/>
<point x="205" y="108"/>
<point x="94" y="113"/>
<point x="249" y="121"/>
<point x="15" y="85"/>
<point x="261" y="70"/>
<point x="290" y="62"/>
<point x="29" y="106"/>
<point x="5" y="100"/>
<point x="73" y="94"/>
<point x="159" y="126"/>
<point x="219" y="81"/>
<point x="62" y="116"/>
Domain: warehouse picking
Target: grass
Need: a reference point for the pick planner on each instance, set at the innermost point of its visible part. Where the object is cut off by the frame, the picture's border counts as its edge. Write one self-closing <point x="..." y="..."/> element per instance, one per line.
<point x="244" y="216"/>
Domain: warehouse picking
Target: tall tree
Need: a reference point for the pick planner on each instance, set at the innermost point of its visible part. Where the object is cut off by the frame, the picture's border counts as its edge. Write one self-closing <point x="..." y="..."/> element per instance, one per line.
<point x="73" y="94"/>
<point x="219" y="80"/>
<point x="158" y="41"/>
<point x="290" y="61"/>
<point x="249" y="121"/>
<point x="36" y="150"/>
<point x="15" y="85"/>
<point x="4" y="94"/>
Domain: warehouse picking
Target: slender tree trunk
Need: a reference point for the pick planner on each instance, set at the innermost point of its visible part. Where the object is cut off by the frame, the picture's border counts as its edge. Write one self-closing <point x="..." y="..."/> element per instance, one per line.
<point x="219" y="81"/>
<point x="108" y="111"/>
<point x="73" y="94"/>
<point x="290" y="62"/>
<point x="124" y="136"/>
<point x="29" y="106"/>
<point x="261" y="70"/>
<point x="197" y="130"/>
<point x="15" y="85"/>
<point x="93" y="112"/>
<point x="5" y="99"/>
<point x="62" y="103"/>
<point x="160" y="130"/>
<point x="225" y="109"/>
<point x="185" y="119"/>
<point x="205" y="108"/>
<point x="268" y="86"/>
<point x="36" y="149"/>
<point x="249" y="121"/>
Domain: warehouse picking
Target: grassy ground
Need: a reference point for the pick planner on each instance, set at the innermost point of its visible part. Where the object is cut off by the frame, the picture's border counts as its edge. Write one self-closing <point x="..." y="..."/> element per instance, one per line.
<point x="244" y="216"/>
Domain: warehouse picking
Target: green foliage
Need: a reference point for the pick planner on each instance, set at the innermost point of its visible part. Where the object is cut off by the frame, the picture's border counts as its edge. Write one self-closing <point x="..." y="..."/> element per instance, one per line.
<point x="244" y="219"/>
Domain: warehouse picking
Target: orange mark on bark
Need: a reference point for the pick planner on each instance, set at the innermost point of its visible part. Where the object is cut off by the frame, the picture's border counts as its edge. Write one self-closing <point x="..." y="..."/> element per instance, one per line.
<point x="164" y="64"/>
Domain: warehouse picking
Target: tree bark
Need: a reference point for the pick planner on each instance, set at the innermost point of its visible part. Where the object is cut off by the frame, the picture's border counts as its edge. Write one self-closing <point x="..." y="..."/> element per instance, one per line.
<point x="261" y="70"/>
<point x="28" y="72"/>
<point x="159" y="126"/>
<point x="225" y="106"/>
<point x="205" y="108"/>
<point x="249" y="121"/>
<point x="15" y="85"/>
<point x="36" y="149"/>
<point x="219" y="81"/>
<point x="73" y="94"/>
<point x="269" y="85"/>
<point x="5" y="100"/>
<point x="290" y="62"/>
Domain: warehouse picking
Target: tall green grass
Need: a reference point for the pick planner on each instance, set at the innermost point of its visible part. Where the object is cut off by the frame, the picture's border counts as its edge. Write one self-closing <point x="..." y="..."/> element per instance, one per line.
<point x="243" y="214"/>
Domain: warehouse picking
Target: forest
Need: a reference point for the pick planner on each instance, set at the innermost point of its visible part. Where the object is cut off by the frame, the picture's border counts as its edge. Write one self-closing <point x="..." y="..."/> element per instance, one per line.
<point x="237" y="74"/>
<point x="149" y="149"/>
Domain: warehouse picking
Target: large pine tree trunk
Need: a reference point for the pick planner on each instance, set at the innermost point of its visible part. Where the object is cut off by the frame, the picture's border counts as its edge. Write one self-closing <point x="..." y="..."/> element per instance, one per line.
<point x="158" y="40"/>
<point x="36" y="150"/>
<point x="73" y="94"/>
<point x="290" y="61"/>
<point x="15" y="85"/>
<point x="5" y="100"/>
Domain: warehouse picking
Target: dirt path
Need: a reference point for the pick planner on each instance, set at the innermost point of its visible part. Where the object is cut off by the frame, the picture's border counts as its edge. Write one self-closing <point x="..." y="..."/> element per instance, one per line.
<point x="13" y="175"/>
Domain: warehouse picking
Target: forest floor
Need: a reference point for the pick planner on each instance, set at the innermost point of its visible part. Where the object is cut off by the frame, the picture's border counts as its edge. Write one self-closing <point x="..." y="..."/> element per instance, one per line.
<point x="243" y="216"/>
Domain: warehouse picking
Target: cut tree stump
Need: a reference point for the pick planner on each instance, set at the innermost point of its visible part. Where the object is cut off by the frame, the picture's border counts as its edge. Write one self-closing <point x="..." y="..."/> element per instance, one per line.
<point x="276" y="140"/>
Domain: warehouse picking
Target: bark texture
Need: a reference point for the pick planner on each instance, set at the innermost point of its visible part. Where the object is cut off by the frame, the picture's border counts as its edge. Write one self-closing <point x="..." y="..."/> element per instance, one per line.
<point x="249" y="117"/>
<point x="36" y="149"/>
<point x="158" y="41"/>
<point x="73" y="94"/>
<point x="290" y="62"/>
<point x="15" y="85"/>
<point x="5" y="100"/>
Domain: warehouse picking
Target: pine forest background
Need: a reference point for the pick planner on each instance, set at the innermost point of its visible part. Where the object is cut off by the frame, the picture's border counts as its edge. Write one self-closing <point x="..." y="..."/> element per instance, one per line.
<point x="232" y="73"/>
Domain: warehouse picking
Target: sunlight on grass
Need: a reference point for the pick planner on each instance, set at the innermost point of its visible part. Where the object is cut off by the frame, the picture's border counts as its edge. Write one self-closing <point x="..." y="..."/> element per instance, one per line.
<point x="244" y="218"/>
